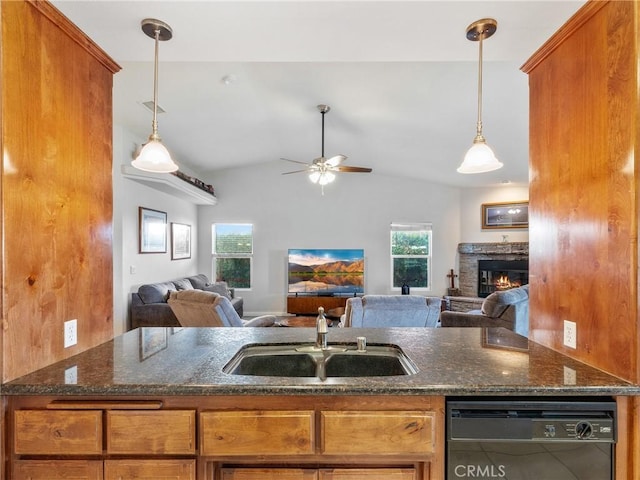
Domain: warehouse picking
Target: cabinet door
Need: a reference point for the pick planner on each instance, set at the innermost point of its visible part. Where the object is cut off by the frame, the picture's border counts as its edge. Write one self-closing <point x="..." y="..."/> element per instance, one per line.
<point x="278" y="432"/>
<point x="268" y="474"/>
<point x="150" y="469"/>
<point x="151" y="432"/>
<point x="58" y="432"/>
<point x="57" y="470"/>
<point x="368" y="474"/>
<point x="378" y="432"/>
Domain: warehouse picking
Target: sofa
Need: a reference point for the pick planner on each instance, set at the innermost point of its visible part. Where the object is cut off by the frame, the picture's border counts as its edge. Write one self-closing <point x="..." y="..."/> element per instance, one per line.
<point x="149" y="307"/>
<point x="391" y="311"/>
<point x="505" y="308"/>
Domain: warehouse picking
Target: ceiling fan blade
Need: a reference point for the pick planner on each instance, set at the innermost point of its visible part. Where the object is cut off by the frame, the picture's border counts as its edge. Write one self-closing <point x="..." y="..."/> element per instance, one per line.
<point x="353" y="169"/>
<point x="335" y="161"/>
<point x="295" y="171"/>
<point x="294" y="161"/>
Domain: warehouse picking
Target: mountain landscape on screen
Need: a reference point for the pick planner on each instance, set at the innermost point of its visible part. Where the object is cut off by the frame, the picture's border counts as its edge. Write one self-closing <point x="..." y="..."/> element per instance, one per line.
<point x="326" y="271"/>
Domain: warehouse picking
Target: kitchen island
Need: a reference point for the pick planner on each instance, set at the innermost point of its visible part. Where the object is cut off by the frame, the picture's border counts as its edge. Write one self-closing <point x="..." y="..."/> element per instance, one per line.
<point x="157" y="400"/>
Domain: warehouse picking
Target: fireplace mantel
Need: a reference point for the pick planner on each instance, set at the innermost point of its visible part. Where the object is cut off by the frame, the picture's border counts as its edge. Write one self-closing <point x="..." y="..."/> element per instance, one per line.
<point x="470" y="253"/>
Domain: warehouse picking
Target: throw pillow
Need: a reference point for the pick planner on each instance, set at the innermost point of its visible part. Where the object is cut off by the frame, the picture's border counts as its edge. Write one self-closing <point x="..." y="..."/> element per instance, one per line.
<point x="183" y="284"/>
<point x="220" y="288"/>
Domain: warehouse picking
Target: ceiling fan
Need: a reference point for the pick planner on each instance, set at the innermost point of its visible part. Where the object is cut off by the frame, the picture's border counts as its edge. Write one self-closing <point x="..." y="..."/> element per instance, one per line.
<point x="322" y="169"/>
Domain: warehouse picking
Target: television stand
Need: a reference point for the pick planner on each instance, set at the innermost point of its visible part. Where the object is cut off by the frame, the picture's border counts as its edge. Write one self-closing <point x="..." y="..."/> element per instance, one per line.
<point x="308" y="305"/>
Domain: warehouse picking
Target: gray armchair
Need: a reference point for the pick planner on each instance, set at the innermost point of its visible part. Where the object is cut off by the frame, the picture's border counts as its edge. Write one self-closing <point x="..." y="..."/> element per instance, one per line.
<point x="391" y="311"/>
<point x="507" y="308"/>
<point x="197" y="308"/>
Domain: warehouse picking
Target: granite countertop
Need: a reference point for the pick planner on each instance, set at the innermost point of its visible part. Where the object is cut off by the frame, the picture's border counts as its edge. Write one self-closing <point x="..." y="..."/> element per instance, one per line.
<point x="189" y="361"/>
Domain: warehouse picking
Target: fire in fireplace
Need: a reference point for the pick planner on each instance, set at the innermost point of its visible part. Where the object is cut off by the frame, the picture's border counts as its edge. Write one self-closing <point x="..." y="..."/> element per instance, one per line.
<point x="496" y="275"/>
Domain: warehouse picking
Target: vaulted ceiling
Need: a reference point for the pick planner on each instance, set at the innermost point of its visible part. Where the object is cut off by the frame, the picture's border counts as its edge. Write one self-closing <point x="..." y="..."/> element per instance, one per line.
<point x="240" y="80"/>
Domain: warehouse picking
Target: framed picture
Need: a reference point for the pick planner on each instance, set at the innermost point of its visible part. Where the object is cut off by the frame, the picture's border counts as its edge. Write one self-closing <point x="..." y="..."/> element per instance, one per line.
<point x="505" y="215"/>
<point x="180" y="241"/>
<point x="152" y="341"/>
<point x="152" y="230"/>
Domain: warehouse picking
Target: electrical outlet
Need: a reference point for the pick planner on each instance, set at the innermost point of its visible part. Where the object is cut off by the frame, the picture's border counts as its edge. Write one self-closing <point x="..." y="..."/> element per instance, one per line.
<point x="70" y="333"/>
<point x="570" y="334"/>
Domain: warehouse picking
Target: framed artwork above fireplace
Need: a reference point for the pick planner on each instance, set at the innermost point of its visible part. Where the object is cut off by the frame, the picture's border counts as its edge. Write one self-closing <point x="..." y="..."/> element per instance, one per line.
<point x="505" y="215"/>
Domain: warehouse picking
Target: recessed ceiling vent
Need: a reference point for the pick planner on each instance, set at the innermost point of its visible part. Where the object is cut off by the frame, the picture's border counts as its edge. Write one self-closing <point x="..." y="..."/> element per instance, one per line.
<point x="149" y="105"/>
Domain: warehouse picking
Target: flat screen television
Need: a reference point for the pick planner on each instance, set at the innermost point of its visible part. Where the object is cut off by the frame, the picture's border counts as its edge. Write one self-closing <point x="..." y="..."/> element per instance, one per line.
<point x="326" y="271"/>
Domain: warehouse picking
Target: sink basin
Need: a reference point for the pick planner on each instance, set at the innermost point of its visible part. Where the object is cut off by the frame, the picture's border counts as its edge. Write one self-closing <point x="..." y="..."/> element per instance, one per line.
<point x="304" y="360"/>
<point x="273" y="364"/>
<point x="368" y="364"/>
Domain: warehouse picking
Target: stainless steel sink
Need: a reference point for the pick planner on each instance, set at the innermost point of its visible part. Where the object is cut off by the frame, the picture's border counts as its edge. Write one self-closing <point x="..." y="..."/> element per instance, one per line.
<point x="304" y="360"/>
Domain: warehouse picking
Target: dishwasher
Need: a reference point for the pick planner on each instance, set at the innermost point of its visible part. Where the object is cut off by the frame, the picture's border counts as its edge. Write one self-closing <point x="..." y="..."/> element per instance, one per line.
<point x="536" y="439"/>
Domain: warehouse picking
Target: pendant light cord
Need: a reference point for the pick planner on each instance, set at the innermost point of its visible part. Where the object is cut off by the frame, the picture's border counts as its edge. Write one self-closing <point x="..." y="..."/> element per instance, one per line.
<point x="322" y="137"/>
<point x="154" y="124"/>
<point x="479" y="124"/>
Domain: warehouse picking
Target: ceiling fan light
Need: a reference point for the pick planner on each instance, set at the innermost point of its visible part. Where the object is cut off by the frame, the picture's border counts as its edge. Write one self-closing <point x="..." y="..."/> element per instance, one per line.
<point x="326" y="177"/>
<point x="314" y="177"/>
<point x="479" y="159"/>
<point x="154" y="157"/>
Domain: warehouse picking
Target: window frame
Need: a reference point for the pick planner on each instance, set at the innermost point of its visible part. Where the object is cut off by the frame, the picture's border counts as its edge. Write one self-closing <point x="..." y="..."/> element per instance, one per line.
<point x="412" y="227"/>
<point x="233" y="255"/>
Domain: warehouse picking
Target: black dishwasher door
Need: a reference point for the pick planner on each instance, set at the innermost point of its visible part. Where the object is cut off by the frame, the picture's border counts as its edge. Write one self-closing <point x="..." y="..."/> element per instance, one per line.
<point x="531" y="439"/>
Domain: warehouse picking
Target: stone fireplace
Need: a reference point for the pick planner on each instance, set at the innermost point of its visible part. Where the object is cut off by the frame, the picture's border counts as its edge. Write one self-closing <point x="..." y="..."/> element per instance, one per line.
<point x="470" y="254"/>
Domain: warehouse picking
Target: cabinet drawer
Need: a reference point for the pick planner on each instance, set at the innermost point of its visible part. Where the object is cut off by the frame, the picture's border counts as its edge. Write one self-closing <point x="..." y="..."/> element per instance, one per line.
<point x="368" y="474"/>
<point x="151" y="432"/>
<point x="278" y="432"/>
<point x="268" y="474"/>
<point x="59" y="432"/>
<point x="378" y="432"/>
<point x="57" y="469"/>
<point x="177" y="469"/>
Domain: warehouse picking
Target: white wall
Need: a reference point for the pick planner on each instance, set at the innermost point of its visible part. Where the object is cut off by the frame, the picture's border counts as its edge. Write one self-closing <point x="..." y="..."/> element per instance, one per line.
<point x="355" y="212"/>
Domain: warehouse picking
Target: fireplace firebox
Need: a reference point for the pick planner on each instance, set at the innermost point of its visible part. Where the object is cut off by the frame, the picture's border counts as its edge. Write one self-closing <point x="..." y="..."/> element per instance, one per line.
<point x="494" y="275"/>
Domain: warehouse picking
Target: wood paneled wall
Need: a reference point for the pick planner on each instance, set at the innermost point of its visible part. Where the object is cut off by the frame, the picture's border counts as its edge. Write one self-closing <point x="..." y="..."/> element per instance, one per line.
<point x="56" y="187"/>
<point x="583" y="202"/>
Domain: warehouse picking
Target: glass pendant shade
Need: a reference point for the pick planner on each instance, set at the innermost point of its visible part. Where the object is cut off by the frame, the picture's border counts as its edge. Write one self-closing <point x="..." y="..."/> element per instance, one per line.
<point x="479" y="159"/>
<point x="154" y="157"/>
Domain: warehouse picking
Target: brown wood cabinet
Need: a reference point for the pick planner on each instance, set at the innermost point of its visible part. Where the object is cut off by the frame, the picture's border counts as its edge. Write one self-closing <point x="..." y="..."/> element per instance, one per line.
<point x="369" y="474"/>
<point x="46" y="432"/>
<point x="57" y="470"/>
<point x="269" y="474"/>
<point x="173" y="469"/>
<point x="48" y="440"/>
<point x="322" y="474"/>
<point x="377" y="432"/>
<point x="227" y="438"/>
<point x="163" y="432"/>
<point x="257" y="433"/>
<point x="309" y="305"/>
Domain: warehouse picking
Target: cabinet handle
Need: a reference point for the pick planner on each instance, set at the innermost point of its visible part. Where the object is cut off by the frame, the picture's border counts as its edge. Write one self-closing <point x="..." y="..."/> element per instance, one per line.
<point x="106" y="405"/>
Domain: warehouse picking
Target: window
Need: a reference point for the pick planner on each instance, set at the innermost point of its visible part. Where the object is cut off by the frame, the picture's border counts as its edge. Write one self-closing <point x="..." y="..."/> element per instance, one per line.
<point x="232" y="253"/>
<point x="411" y="255"/>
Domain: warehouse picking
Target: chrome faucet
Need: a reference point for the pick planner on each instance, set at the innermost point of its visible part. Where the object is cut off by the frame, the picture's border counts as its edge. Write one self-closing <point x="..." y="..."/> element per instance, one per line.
<point x="321" y="330"/>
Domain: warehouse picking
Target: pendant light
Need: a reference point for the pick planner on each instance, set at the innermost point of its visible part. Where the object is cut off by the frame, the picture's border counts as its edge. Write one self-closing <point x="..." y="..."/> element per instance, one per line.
<point x="154" y="156"/>
<point x="480" y="158"/>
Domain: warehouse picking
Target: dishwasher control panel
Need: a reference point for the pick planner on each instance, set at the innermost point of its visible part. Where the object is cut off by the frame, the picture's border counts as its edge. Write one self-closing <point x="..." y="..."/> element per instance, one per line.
<point x="598" y="429"/>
